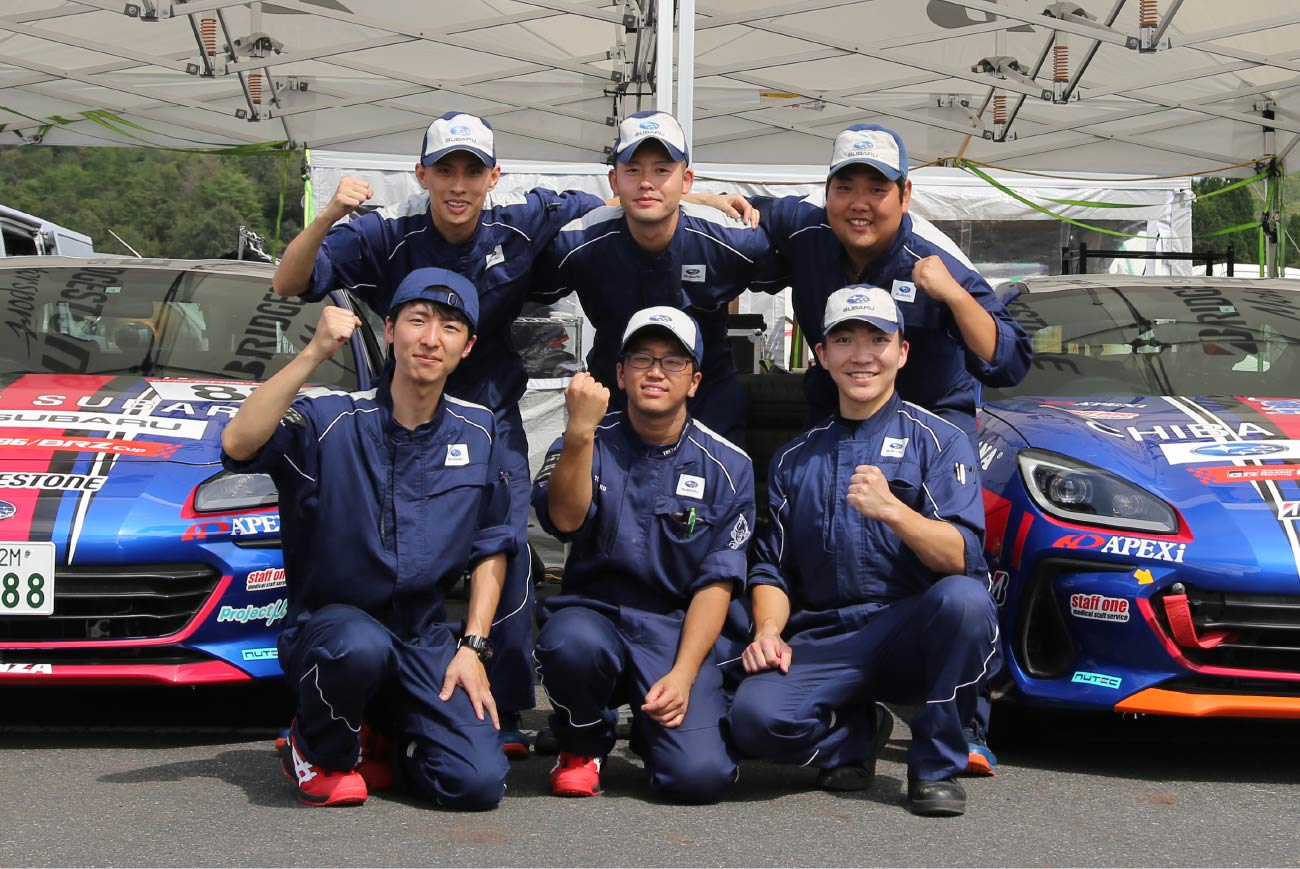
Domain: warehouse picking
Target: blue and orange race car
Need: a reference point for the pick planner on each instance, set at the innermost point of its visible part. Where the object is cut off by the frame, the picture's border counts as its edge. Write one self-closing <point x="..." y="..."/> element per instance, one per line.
<point x="126" y="553"/>
<point x="1142" y="488"/>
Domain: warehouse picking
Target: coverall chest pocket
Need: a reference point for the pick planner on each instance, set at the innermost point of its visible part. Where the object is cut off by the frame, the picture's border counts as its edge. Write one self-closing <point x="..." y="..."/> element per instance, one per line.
<point x="453" y="496"/>
<point x="906" y="484"/>
<point x="685" y="525"/>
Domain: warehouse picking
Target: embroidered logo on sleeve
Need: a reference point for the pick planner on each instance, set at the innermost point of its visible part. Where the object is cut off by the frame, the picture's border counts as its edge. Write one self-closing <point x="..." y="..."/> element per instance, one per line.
<point x="904" y="291"/>
<point x="689" y="486"/>
<point x="457" y="454"/>
<point x="893" y="447"/>
<point x="292" y="416"/>
<point x="694" y="274"/>
<point x="739" y="533"/>
<point x="548" y="467"/>
<point x="497" y="257"/>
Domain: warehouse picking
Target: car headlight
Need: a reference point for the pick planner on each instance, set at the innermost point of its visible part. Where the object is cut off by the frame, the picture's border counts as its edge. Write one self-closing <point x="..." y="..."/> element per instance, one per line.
<point x="1078" y="492"/>
<point x="227" y="491"/>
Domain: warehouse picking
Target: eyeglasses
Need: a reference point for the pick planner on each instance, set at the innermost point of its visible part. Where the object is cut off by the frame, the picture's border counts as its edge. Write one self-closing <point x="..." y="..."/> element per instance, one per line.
<point x="672" y="364"/>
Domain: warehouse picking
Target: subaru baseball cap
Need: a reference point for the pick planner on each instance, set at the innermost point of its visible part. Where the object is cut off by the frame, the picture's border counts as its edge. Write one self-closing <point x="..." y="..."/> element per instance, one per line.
<point x="457" y="131"/>
<point x="660" y="126"/>
<point x="441" y="286"/>
<point x="677" y="323"/>
<point x="871" y="145"/>
<point x="866" y="303"/>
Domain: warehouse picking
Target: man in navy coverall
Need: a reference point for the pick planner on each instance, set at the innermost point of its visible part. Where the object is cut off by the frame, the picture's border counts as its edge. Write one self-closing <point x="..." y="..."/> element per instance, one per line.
<point x="961" y="335"/>
<point x="495" y="249"/>
<point x="653" y="249"/>
<point x="386" y="497"/>
<point x="658" y="509"/>
<point x="870" y="581"/>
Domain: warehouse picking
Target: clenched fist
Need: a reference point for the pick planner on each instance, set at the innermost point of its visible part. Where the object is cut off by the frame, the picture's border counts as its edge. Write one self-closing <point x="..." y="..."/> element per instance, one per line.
<point x="869" y="493"/>
<point x="350" y="194"/>
<point x="586" y="401"/>
<point x="332" y="332"/>
<point x="934" y="279"/>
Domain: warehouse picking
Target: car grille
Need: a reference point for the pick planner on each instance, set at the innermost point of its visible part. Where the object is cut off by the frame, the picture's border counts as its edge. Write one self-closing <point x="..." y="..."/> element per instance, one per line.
<point x="1263" y="630"/>
<point x="132" y="602"/>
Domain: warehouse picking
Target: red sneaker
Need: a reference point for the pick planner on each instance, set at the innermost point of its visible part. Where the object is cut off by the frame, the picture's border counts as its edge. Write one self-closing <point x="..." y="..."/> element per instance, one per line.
<point x="318" y="786"/>
<point x="376" y="763"/>
<point x="575" y="776"/>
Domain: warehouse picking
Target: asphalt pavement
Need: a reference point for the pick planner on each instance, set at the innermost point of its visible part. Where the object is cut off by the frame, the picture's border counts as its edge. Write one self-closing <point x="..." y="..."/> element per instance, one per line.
<point x="189" y="777"/>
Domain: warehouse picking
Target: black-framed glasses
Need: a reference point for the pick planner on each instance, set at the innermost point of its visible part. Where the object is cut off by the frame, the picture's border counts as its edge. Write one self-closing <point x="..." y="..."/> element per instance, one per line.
<point x="672" y="363"/>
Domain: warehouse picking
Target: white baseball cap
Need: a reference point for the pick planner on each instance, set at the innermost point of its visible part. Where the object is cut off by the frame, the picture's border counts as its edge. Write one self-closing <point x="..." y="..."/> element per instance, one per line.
<point x="866" y="303"/>
<point x="457" y="131"/>
<point x="680" y="324"/>
<point x="642" y="126"/>
<point x="872" y="145"/>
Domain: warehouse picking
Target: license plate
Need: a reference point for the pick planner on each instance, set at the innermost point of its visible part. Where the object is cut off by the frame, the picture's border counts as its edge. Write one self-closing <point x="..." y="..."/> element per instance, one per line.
<point x="26" y="579"/>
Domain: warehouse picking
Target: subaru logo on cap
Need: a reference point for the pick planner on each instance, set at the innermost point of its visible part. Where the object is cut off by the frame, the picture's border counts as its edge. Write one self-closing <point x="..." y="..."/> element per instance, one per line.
<point x="857" y="300"/>
<point x="864" y="145"/>
<point x="1239" y="449"/>
<point x="649" y="125"/>
<point x="459" y="130"/>
<point x="7" y="509"/>
<point x="660" y="318"/>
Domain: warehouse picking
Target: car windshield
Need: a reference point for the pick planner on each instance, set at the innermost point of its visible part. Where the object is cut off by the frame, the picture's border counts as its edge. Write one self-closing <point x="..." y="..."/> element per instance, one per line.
<point x="101" y="318"/>
<point x="1188" y="338"/>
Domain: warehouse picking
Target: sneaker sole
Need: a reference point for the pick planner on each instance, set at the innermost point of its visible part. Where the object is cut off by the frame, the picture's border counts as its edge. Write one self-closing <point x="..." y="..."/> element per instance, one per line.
<point x="515" y="750"/>
<point x="573" y="792"/>
<point x="939" y="808"/>
<point x="307" y="799"/>
<point x="978" y="764"/>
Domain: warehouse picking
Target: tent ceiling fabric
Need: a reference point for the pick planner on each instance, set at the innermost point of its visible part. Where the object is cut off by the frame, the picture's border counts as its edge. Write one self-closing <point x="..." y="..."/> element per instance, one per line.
<point x="774" y="80"/>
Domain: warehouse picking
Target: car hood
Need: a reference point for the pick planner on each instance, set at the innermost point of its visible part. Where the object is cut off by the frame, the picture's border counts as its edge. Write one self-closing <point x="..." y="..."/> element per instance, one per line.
<point x="135" y="419"/>
<point x="1230" y="465"/>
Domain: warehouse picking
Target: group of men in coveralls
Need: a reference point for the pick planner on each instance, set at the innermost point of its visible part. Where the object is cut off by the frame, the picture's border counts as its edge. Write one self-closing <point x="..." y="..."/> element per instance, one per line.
<point x="866" y="584"/>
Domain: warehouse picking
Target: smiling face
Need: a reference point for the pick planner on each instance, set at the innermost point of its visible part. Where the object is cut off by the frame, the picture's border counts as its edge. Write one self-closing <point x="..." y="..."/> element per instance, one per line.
<point x="458" y="185"/>
<point x="429" y="340"/>
<point x="863" y="361"/>
<point x="650" y="184"/>
<point x="865" y="210"/>
<point x="654" y="392"/>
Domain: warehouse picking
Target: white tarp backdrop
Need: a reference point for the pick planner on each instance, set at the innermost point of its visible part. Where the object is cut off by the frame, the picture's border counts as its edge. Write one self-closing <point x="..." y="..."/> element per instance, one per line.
<point x="763" y="81"/>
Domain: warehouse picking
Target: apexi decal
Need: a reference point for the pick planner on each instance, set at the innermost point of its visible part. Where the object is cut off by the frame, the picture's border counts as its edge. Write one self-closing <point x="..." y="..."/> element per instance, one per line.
<point x="266" y="523"/>
<point x="180" y="428"/>
<point x="1227" y="451"/>
<point x="1100" y="679"/>
<point x="203" y="530"/>
<point x="1094" y="606"/>
<point x="260" y="580"/>
<point x="270" y="613"/>
<point x="1252" y="474"/>
<point x="52" y="482"/>
<point x="93" y="445"/>
<point x="1142" y="547"/>
<point x="270" y="654"/>
<point x="33" y="669"/>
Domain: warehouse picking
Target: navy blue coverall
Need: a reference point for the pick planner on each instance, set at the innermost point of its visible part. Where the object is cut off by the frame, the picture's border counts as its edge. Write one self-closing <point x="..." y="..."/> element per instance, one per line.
<point x="664" y="522"/>
<point x="869" y="621"/>
<point x="944" y="376"/>
<point x="711" y="260"/>
<point x="377" y="520"/>
<point x="370" y="256"/>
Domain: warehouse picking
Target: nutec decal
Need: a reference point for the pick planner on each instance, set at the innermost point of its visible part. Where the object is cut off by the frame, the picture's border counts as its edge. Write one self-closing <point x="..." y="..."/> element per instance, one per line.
<point x="1095" y="606"/>
<point x="1100" y="679"/>
<point x="267" y="654"/>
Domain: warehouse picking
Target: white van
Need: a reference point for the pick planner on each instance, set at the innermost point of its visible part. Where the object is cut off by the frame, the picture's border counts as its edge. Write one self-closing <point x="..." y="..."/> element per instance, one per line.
<point x="28" y="235"/>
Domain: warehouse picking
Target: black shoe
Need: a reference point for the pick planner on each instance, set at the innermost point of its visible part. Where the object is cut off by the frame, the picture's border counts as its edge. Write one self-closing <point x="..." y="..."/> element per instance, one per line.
<point x="936" y="799"/>
<point x="544" y="743"/>
<point x="859" y="776"/>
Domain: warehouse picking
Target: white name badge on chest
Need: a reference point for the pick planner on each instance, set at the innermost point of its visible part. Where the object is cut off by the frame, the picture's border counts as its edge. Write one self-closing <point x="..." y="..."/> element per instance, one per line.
<point x="893" y="447"/>
<point x="457" y="454"/>
<point x="904" y="291"/>
<point x="689" y="486"/>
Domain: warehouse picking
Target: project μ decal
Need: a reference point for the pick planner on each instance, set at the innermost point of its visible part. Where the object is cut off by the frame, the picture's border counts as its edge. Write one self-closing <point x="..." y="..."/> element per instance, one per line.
<point x="1099" y="679"/>
<point x="269" y="613"/>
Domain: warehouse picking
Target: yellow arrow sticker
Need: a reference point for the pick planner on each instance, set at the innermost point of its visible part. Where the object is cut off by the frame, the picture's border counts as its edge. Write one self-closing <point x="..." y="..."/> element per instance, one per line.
<point x="1143" y="576"/>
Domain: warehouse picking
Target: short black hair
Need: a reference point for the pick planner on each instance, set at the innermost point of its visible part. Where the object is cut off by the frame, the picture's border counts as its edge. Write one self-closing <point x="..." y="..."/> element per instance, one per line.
<point x="444" y="311"/>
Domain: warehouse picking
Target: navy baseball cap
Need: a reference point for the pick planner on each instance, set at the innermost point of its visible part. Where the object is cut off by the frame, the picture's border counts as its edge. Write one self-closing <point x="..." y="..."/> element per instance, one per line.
<point x="677" y="323"/>
<point x="458" y="131"/>
<point x="863" y="302"/>
<point x="441" y="286"/>
<point x="871" y="145"/>
<point x="642" y="126"/>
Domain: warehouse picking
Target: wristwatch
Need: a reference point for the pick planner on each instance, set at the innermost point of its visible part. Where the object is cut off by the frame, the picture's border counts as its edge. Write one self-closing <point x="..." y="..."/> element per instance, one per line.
<point x="479" y="645"/>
